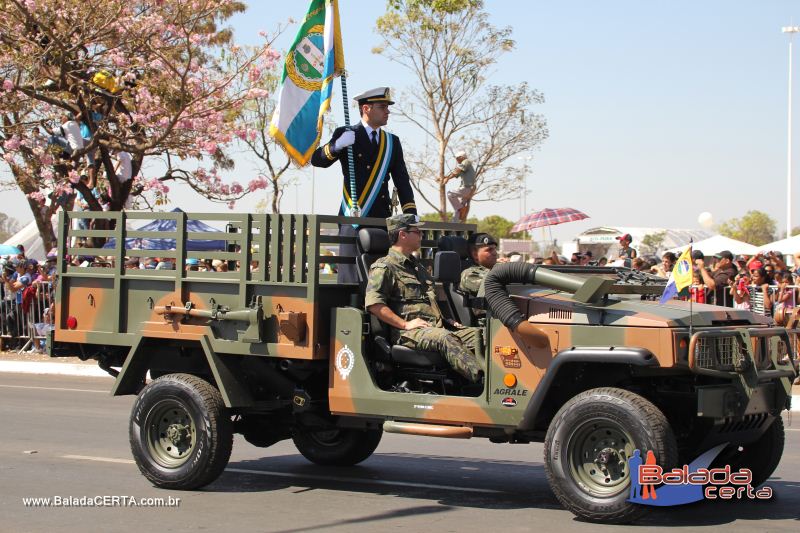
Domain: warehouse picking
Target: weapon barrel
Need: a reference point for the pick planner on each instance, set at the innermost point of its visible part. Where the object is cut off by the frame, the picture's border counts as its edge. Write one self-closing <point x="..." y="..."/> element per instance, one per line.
<point x="244" y="315"/>
<point x="557" y="280"/>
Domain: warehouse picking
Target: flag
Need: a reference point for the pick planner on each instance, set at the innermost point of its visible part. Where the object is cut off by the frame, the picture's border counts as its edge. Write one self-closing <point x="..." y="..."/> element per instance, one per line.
<point x="312" y="61"/>
<point x="680" y="277"/>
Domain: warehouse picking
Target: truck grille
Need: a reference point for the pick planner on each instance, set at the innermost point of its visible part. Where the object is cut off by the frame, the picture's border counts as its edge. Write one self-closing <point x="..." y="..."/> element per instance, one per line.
<point x="737" y="351"/>
<point x="720" y="353"/>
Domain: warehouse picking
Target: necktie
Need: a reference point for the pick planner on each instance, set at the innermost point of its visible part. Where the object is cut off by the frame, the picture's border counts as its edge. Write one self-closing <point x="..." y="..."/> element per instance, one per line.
<point x="374" y="138"/>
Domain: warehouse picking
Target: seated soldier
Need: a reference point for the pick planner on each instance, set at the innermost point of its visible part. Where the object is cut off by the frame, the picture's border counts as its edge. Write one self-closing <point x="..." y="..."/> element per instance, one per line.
<point x="400" y="293"/>
<point x="483" y="252"/>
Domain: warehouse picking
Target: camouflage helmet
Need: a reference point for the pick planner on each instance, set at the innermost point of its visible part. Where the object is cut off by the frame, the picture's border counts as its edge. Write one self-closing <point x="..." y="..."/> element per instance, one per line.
<point x="402" y="221"/>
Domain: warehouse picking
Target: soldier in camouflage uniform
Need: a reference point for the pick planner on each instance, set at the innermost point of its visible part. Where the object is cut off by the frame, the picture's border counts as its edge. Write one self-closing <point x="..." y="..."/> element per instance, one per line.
<point x="483" y="252"/>
<point x="400" y="293"/>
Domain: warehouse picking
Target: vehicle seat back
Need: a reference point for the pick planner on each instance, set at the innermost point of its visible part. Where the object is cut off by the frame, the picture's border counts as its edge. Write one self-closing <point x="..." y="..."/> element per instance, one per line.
<point x="372" y="244"/>
<point x="447" y="266"/>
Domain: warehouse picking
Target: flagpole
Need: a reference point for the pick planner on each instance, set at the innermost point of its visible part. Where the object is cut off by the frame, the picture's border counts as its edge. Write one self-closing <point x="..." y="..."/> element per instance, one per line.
<point x="355" y="210"/>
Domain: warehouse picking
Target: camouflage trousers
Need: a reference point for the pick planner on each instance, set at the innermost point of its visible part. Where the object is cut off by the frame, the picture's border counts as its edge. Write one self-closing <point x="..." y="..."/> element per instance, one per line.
<point x="458" y="347"/>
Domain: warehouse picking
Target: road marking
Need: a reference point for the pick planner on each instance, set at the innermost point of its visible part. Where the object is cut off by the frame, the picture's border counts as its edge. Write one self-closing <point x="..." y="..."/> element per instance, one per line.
<point x="344" y="479"/>
<point x="53" y="388"/>
<point x="99" y="459"/>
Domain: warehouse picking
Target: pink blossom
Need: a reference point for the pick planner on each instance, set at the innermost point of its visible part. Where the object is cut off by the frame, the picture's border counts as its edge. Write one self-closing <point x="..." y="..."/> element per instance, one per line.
<point x="257" y="93"/>
<point x="37" y="196"/>
<point x="209" y="147"/>
<point x="236" y="188"/>
<point x="257" y="184"/>
<point x="8" y="85"/>
<point x="13" y="143"/>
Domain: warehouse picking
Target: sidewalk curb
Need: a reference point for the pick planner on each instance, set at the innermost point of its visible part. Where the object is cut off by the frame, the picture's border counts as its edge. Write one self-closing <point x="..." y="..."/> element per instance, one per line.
<point x="64" y="369"/>
<point x="67" y="369"/>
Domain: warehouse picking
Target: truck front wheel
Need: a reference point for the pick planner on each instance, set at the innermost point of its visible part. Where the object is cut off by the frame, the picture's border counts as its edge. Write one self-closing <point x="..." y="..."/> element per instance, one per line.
<point x="336" y="447"/>
<point x="761" y="457"/>
<point x="180" y="432"/>
<point x="588" y="445"/>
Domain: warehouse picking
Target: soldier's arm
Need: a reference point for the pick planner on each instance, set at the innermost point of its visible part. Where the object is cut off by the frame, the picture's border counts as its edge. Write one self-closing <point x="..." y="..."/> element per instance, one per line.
<point x="388" y="316"/>
<point x="402" y="180"/>
<point x="470" y="282"/>
<point x="379" y="286"/>
<point x="324" y="156"/>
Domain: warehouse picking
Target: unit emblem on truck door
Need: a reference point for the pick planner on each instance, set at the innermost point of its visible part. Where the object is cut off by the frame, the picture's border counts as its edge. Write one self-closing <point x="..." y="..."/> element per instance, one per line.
<point x="345" y="361"/>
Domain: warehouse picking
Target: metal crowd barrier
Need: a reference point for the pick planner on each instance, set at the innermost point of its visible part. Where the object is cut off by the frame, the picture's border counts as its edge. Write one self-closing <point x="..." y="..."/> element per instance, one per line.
<point x="773" y="290"/>
<point x="29" y="328"/>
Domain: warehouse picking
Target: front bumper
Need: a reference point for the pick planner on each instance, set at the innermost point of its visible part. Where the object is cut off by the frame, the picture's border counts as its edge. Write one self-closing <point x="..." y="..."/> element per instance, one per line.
<point x="756" y="363"/>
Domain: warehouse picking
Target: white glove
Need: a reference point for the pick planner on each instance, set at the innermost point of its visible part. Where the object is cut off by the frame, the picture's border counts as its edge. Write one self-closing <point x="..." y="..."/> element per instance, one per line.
<point x="345" y="139"/>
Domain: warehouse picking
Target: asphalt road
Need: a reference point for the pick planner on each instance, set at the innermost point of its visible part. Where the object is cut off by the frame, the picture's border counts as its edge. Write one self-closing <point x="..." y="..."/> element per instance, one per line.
<point x="79" y="436"/>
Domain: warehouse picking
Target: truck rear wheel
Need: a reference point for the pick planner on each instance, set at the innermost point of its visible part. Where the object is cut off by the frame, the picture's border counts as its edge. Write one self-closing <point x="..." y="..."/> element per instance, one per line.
<point x="587" y="447"/>
<point x="180" y="432"/>
<point x="337" y="447"/>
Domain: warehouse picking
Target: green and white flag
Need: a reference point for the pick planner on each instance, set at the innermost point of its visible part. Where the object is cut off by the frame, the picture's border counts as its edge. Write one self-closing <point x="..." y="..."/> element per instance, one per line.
<point x="313" y="60"/>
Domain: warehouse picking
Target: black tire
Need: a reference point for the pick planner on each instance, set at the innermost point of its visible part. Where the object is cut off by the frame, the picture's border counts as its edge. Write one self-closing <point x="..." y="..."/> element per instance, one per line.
<point x="181" y="434"/>
<point x="337" y="447"/>
<point x="605" y="424"/>
<point x="761" y="457"/>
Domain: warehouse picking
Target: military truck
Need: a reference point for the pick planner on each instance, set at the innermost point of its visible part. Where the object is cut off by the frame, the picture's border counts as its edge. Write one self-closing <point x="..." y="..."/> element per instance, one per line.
<point x="274" y="348"/>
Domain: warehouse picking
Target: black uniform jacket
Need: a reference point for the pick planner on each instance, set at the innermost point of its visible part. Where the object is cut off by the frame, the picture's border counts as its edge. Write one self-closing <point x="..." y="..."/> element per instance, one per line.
<point x="364" y="157"/>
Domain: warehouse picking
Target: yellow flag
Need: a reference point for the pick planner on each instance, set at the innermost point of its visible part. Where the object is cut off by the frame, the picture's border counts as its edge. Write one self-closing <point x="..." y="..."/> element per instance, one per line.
<point x="682" y="272"/>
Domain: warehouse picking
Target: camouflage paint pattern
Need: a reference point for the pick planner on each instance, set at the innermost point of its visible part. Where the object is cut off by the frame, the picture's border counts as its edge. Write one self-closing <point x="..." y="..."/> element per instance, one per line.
<point x="313" y="318"/>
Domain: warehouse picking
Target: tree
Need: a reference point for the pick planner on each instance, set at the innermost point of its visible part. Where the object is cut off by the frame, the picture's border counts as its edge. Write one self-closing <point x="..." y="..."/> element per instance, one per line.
<point x="495" y="225"/>
<point x="498" y="227"/>
<point x="653" y="242"/>
<point x="254" y="125"/>
<point x="755" y="227"/>
<point x="8" y="227"/>
<point x="450" y="47"/>
<point x="795" y="231"/>
<point x="153" y="78"/>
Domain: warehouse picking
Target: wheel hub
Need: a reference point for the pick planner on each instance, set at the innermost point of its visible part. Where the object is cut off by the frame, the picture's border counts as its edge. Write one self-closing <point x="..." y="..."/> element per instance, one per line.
<point x="599" y="451"/>
<point x="171" y="433"/>
<point x="606" y="456"/>
<point x="178" y="433"/>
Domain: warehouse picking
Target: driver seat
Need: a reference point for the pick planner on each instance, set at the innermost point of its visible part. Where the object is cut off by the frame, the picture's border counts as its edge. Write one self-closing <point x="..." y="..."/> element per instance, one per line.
<point x="373" y="243"/>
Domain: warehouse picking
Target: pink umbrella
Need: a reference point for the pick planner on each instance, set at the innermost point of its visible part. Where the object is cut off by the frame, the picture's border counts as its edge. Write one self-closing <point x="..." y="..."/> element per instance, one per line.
<point x="548" y="217"/>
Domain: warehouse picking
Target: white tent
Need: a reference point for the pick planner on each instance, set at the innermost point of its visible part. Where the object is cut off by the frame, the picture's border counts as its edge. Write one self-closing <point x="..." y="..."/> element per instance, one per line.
<point x="30" y="239"/>
<point x="603" y="240"/>
<point x="785" y="246"/>
<point x="717" y="243"/>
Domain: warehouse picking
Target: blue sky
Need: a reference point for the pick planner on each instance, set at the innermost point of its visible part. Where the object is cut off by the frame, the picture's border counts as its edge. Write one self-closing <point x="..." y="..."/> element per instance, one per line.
<point x="657" y="110"/>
